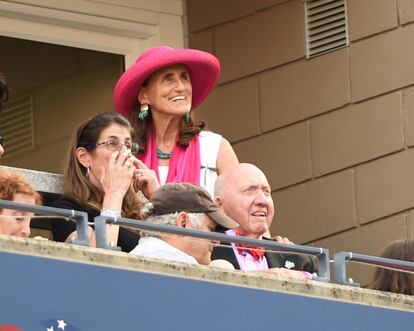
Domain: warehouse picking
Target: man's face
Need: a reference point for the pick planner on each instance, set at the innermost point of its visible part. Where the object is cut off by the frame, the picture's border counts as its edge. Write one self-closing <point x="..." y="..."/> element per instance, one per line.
<point x="247" y="199"/>
<point x="198" y="248"/>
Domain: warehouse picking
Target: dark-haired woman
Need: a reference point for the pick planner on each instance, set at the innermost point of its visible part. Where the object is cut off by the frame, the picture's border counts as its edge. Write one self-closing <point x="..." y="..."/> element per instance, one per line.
<point x="159" y="94"/>
<point x="391" y="280"/>
<point x="99" y="178"/>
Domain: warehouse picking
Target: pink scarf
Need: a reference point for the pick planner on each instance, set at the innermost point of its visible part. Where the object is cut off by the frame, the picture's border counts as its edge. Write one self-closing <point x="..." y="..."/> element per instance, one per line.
<point x="184" y="164"/>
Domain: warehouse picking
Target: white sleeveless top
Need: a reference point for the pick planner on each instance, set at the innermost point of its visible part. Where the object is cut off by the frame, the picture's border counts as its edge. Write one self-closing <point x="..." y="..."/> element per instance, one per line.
<point x="209" y="148"/>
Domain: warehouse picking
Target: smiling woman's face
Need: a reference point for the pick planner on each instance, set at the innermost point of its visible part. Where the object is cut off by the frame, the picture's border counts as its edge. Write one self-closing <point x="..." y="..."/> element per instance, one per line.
<point x="168" y="91"/>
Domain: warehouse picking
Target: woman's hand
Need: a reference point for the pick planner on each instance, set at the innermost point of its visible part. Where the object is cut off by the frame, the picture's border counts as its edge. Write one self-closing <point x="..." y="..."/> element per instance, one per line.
<point x="116" y="178"/>
<point x="91" y="235"/>
<point x="283" y="240"/>
<point x="144" y="179"/>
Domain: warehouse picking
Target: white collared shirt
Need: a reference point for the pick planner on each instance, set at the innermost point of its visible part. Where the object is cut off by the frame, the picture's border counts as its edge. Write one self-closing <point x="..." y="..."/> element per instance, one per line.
<point x="159" y="249"/>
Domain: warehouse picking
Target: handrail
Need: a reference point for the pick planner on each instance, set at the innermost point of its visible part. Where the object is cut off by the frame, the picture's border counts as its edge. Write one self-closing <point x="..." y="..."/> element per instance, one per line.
<point x="341" y="259"/>
<point x="322" y="254"/>
<point x="81" y="218"/>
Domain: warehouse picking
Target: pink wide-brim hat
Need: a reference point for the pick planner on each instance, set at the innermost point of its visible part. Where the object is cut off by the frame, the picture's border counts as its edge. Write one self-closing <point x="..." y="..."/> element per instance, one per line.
<point x="204" y="69"/>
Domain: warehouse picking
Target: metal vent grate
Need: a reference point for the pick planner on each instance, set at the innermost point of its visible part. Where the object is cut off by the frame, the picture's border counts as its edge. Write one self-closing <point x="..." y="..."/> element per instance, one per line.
<point x="16" y="126"/>
<point x="326" y="26"/>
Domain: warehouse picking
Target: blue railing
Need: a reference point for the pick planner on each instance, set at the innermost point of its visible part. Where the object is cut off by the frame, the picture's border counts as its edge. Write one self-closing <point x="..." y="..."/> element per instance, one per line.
<point x="81" y="218"/>
<point x="341" y="259"/>
<point x="322" y="254"/>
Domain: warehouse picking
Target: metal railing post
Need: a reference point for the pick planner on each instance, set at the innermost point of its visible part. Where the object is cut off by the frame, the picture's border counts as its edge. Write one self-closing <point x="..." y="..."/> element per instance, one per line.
<point x="80" y="217"/>
<point x="341" y="259"/>
<point x="323" y="263"/>
<point x="100" y="232"/>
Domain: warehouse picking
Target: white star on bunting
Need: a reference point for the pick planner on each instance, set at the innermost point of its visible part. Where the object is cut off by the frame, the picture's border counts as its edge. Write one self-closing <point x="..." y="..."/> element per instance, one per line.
<point x="61" y="324"/>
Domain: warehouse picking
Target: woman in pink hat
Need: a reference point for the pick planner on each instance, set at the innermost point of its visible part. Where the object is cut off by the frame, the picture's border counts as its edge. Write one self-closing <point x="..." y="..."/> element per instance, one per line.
<point x="159" y="94"/>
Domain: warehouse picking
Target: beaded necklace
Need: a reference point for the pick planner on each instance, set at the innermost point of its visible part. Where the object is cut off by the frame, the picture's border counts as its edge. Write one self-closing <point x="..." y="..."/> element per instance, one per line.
<point x="163" y="155"/>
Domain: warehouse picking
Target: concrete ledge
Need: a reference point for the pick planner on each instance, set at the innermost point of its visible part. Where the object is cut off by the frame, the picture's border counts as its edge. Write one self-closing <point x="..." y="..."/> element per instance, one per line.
<point x="119" y="260"/>
<point x="41" y="181"/>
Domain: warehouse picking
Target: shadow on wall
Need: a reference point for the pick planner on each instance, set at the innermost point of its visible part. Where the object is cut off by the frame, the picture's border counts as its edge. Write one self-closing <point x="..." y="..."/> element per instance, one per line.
<point x="52" y="88"/>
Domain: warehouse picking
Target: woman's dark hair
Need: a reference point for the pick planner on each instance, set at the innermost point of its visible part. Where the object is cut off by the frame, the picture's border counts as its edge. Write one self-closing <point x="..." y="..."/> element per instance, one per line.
<point x="77" y="184"/>
<point x="391" y="280"/>
<point x="4" y="91"/>
<point x="187" y="130"/>
<point x="89" y="131"/>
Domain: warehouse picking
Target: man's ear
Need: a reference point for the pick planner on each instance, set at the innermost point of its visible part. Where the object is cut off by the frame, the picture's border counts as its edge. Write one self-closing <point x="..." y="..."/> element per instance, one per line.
<point x="219" y="202"/>
<point x="83" y="157"/>
<point x="182" y="219"/>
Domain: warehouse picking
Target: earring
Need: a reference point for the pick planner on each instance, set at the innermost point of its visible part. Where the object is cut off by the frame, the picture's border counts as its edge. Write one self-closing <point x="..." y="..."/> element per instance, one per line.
<point x="143" y="111"/>
<point x="186" y="117"/>
<point x="87" y="172"/>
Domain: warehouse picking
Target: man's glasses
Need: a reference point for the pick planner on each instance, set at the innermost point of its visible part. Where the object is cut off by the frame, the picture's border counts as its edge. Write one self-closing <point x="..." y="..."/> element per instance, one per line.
<point x="115" y="145"/>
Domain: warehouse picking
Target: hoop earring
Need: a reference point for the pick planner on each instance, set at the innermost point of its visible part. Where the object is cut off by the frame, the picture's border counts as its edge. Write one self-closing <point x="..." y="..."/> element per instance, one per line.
<point x="143" y="111"/>
<point x="186" y="117"/>
<point x="87" y="172"/>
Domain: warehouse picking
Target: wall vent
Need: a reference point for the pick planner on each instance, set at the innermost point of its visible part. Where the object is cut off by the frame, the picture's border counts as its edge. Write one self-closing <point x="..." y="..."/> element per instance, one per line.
<point x="326" y="26"/>
<point x="16" y="126"/>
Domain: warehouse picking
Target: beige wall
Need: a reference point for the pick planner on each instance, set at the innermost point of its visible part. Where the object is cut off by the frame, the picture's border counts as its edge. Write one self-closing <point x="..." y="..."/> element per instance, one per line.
<point x="334" y="134"/>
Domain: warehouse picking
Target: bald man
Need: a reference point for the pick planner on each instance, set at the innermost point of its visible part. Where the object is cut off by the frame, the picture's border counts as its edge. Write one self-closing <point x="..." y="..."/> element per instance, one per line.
<point x="244" y="194"/>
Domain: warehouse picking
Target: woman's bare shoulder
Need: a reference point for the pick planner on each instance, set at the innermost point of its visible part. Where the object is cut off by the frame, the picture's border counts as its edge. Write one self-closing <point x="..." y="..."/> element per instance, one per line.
<point x="226" y="158"/>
